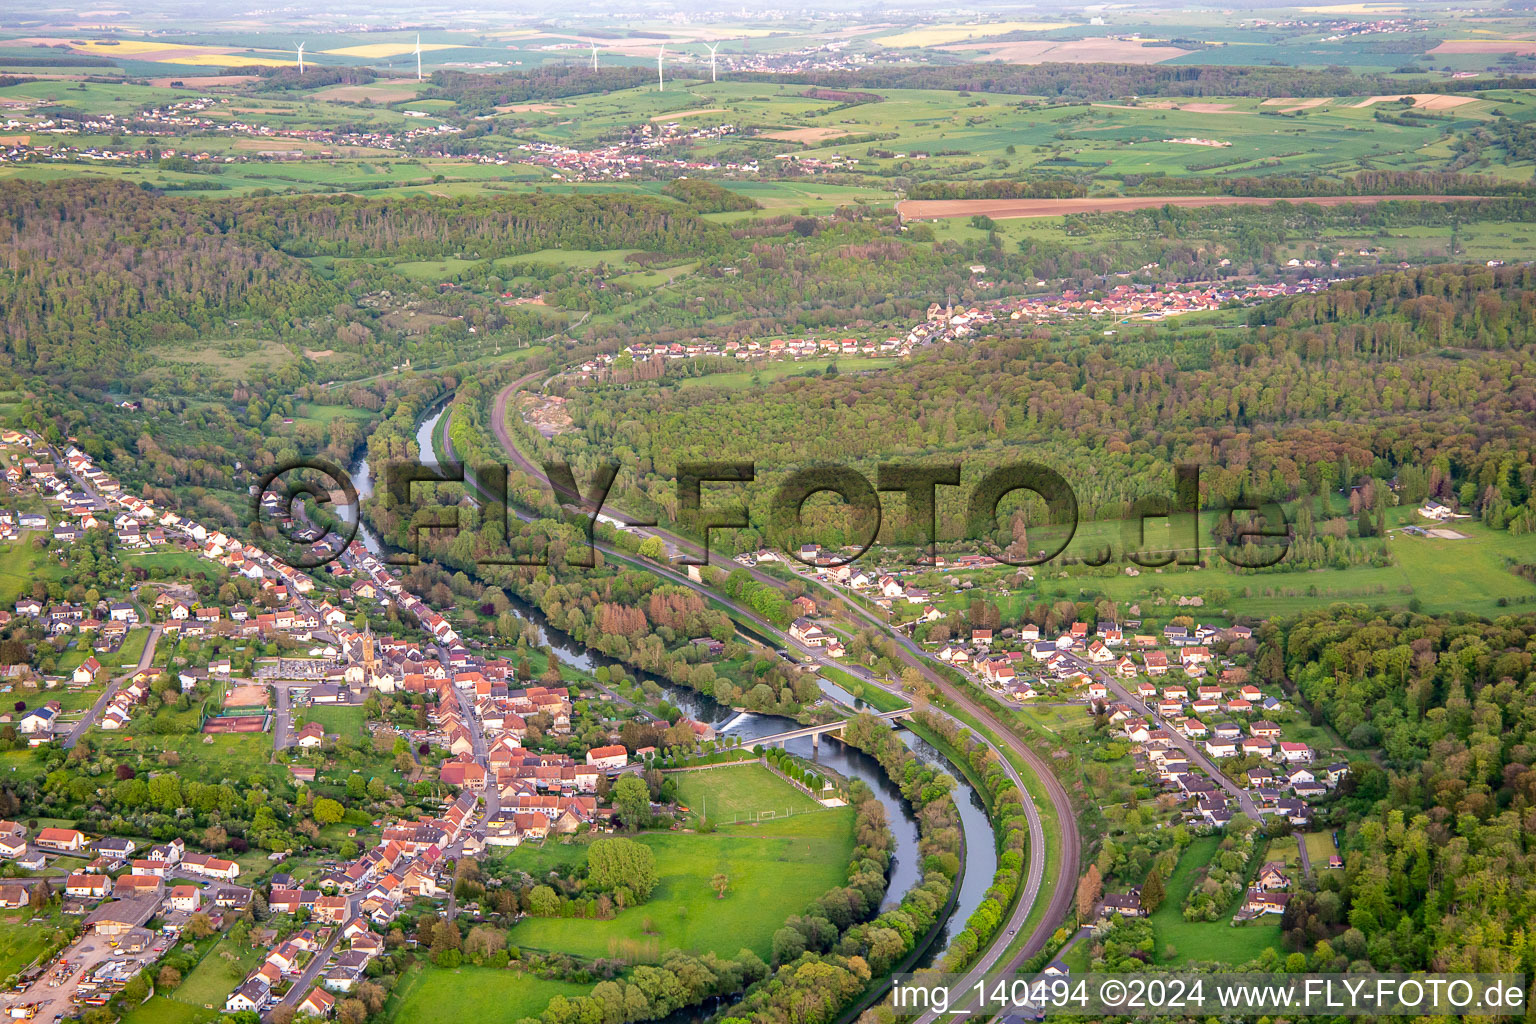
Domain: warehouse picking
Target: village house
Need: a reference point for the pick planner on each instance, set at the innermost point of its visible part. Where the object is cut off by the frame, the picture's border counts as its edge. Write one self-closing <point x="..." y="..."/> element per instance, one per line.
<point x="1272" y="877"/>
<point x="1259" y="902"/>
<point x="608" y="758"/>
<point x="186" y="898"/>
<point x="88" y="886"/>
<point x="1121" y="904"/>
<point x="63" y="840"/>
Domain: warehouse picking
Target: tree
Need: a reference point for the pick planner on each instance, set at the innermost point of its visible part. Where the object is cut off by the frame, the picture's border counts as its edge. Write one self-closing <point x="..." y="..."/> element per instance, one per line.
<point x="199" y="926"/>
<point x="622" y="863"/>
<point x="654" y="549"/>
<point x="1089" y="888"/>
<point x="633" y="800"/>
<point x="445" y="935"/>
<point x="542" y="902"/>
<point x="788" y="944"/>
<point x="721" y="882"/>
<point x="484" y="940"/>
<point x="168" y="978"/>
<point x="1152" y="893"/>
<point x="328" y="811"/>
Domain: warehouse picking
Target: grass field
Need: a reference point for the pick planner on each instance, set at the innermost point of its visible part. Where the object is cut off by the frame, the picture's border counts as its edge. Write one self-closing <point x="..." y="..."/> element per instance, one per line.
<point x="433" y="995"/>
<point x="174" y="563"/>
<point x="21" y="941"/>
<point x="739" y="793"/>
<point x="21" y="565"/>
<point x="775" y="870"/>
<point x="167" y="1010"/>
<point x="218" y="974"/>
<point x="1284" y="850"/>
<point x="1206" y="940"/>
<point x="1319" y="848"/>
<point x="235" y="757"/>
<point x="346" y="722"/>
<point x="1444" y="575"/>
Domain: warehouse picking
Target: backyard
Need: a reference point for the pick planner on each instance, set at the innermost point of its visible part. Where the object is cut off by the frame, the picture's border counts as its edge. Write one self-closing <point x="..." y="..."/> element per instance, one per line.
<point x="1206" y="941"/>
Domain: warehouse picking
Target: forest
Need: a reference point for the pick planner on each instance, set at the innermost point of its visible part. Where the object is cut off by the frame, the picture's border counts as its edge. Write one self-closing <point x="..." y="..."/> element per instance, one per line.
<point x="1421" y="370"/>
<point x="1438" y="875"/>
<point x="1118" y="81"/>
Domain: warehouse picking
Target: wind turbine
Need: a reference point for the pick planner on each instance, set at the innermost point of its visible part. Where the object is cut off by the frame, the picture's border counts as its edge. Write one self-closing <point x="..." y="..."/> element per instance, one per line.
<point x="418" y="56"/>
<point x="594" y="54"/>
<point x="301" y="57"/>
<point x="713" y="77"/>
<point x="661" y="85"/>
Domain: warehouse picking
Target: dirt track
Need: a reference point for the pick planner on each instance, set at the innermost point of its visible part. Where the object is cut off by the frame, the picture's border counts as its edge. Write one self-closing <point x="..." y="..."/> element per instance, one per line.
<point x="1005" y="209"/>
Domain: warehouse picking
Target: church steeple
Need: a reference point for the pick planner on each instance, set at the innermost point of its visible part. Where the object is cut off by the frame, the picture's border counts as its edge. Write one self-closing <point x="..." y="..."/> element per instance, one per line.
<point x="370" y="658"/>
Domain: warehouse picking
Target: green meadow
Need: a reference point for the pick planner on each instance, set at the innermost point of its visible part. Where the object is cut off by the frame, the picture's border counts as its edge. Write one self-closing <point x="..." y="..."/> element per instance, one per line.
<point x="782" y="864"/>
<point x="1206" y="940"/>
<point x="433" y="995"/>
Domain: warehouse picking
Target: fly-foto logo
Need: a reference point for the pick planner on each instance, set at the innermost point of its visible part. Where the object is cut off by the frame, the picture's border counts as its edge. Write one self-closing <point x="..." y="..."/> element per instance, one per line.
<point x="1255" y="533"/>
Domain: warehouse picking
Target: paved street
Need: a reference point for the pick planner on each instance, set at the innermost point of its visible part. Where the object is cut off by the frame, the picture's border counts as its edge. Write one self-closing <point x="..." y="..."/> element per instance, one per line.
<point x="317" y="963"/>
<point x="111" y="691"/>
<point x="1195" y="754"/>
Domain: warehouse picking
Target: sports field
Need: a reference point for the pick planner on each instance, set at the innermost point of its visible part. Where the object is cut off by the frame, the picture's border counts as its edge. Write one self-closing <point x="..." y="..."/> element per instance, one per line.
<point x="740" y="793"/>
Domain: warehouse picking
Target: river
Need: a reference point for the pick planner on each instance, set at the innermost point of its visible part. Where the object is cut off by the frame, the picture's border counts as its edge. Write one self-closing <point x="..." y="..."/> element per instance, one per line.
<point x="362" y="475"/>
<point x="905" y="869"/>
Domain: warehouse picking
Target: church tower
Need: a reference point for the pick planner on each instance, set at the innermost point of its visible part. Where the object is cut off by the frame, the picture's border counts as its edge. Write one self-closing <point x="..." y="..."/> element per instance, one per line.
<point x="370" y="656"/>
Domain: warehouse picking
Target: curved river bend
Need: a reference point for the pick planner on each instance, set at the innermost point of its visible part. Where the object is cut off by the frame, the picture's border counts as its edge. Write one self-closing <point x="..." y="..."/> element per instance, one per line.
<point x="980" y="858"/>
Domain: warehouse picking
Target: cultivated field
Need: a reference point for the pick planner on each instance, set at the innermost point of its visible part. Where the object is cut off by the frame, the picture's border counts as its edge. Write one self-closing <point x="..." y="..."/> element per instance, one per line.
<point x="1422" y="100"/>
<point x="1075" y="51"/>
<point x="823" y="134"/>
<point x="1522" y="47"/>
<point x="938" y="35"/>
<point x="681" y="114"/>
<point x="1003" y="209"/>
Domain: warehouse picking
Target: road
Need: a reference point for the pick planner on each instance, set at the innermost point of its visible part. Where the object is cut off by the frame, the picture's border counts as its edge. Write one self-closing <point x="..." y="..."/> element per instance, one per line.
<point x="1195" y="754"/>
<point x="1065" y="882"/>
<point x="111" y="691"/>
<point x="282" y="719"/>
<point x="317" y="964"/>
